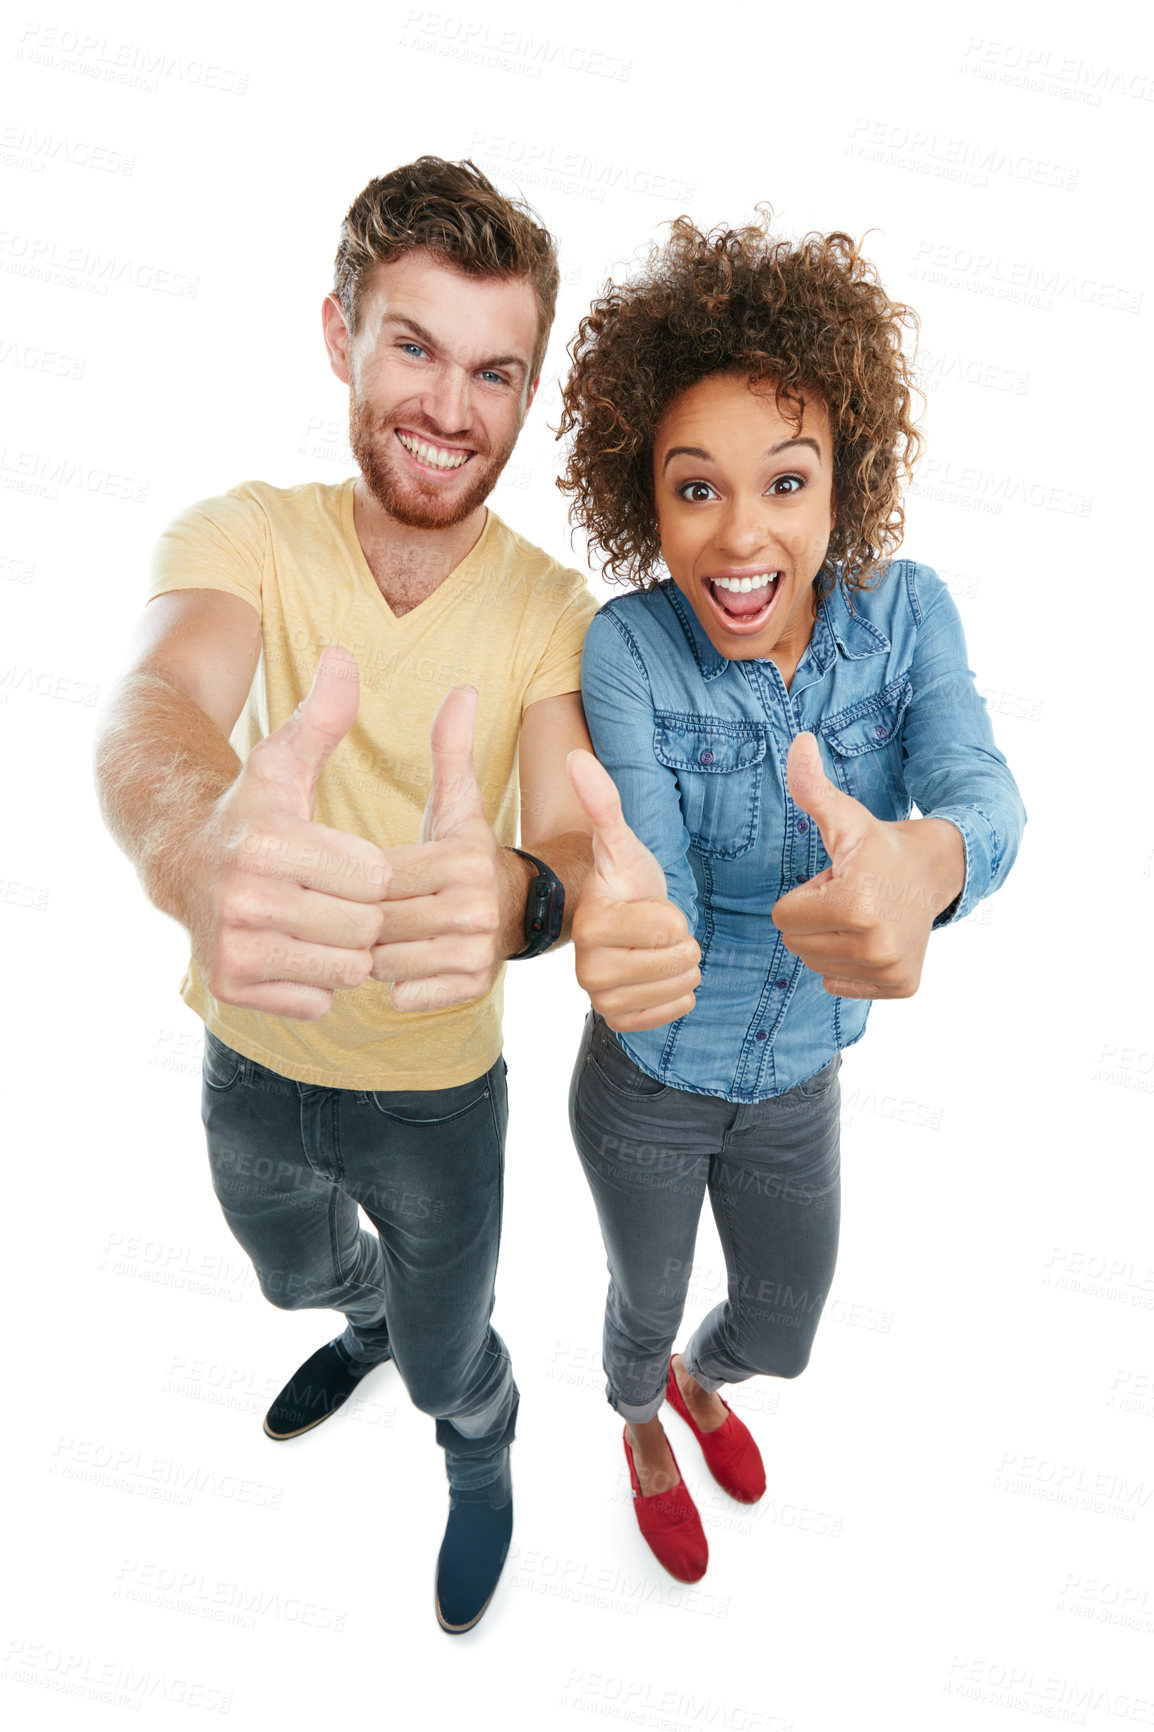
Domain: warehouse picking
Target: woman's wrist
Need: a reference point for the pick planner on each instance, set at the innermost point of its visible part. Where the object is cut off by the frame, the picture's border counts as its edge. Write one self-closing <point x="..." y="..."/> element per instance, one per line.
<point x="939" y="856"/>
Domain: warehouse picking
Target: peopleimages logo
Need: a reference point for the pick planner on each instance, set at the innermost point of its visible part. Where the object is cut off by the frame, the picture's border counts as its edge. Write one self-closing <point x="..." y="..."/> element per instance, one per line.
<point x="1025" y="66"/>
<point x="957" y="159"/>
<point x="115" y="1683"/>
<point x="46" y="259"/>
<point x="132" y="64"/>
<point x="575" y="171"/>
<point x="481" y="43"/>
<point x="28" y="148"/>
<point x="1021" y="282"/>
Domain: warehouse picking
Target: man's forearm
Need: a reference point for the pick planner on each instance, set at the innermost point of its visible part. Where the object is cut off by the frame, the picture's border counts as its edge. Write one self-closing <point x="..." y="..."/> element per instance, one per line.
<point x="161" y="765"/>
<point x="570" y="856"/>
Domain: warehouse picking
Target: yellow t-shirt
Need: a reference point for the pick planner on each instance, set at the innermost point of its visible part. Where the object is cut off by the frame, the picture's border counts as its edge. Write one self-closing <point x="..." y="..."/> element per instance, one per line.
<point x="508" y="620"/>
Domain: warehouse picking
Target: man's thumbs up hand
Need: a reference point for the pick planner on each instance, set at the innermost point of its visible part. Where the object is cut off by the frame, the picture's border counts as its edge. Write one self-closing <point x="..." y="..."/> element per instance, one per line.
<point x="291" y="759"/>
<point x="864" y="922"/>
<point x="454" y="797"/>
<point x="443" y="930"/>
<point x="635" y="955"/>
<point x="289" y="909"/>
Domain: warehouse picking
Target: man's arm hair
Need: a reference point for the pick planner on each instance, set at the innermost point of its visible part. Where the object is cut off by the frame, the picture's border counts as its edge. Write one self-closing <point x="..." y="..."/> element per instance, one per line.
<point x="162" y="757"/>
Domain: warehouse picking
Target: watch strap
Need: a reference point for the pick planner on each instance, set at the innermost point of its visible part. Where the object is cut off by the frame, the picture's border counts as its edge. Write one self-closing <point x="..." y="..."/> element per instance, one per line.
<point x="544" y="909"/>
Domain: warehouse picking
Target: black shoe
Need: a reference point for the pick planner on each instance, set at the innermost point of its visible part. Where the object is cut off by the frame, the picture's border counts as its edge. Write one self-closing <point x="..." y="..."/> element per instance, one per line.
<point x="473" y="1554"/>
<point x="314" y="1392"/>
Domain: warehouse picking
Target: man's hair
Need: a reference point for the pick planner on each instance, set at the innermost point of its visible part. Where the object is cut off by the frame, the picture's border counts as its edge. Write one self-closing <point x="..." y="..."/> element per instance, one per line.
<point x="452" y="211"/>
<point x="809" y="316"/>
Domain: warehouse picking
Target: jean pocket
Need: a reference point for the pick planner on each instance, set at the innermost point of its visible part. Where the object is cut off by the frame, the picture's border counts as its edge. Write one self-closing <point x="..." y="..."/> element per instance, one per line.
<point x="430" y="1107"/>
<point x="718" y="770"/>
<point x="617" y="1070"/>
<point x="865" y="747"/>
<point x="222" y="1066"/>
<point x="819" y="1084"/>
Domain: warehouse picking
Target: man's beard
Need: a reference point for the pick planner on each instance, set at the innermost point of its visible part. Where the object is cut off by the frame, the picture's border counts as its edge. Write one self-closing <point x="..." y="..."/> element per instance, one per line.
<point x="402" y="496"/>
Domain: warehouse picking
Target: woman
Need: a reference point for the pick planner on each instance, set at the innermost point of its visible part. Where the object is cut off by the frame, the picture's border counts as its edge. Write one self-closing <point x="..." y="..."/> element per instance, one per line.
<point x="769" y="712"/>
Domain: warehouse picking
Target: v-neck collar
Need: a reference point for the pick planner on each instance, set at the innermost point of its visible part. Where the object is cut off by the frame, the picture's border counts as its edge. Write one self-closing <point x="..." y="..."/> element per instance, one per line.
<point x="400" y="621"/>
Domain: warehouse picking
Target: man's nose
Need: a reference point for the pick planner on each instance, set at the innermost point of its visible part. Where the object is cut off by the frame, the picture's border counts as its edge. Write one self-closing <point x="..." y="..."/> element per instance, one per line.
<point x="450" y="401"/>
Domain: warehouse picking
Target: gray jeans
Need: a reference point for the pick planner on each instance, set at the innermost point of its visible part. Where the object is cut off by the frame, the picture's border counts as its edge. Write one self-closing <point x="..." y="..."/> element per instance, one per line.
<point x="650" y="1153"/>
<point x="294" y="1166"/>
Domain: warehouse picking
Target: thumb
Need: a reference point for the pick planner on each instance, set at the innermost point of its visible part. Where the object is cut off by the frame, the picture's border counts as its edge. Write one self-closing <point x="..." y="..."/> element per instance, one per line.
<point x="842" y="821"/>
<point x="294" y="755"/>
<point x="623" y="868"/>
<point x="453" y="792"/>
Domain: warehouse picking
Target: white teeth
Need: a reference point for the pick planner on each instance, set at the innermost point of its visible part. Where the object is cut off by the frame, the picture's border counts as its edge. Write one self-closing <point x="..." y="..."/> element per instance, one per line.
<point x="744" y="584"/>
<point x="430" y="454"/>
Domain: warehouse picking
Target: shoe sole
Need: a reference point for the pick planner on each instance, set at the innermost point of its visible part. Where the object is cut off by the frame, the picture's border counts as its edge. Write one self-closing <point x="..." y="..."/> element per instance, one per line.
<point x="283" y="1436"/>
<point x="460" y="1629"/>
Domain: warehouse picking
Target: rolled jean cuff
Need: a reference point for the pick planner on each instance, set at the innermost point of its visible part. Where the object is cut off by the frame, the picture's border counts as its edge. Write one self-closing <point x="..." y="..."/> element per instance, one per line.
<point x="359" y="1352"/>
<point x="711" y="1385"/>
<point x="494" y="1492"/>
<point x="635" y="1413"/>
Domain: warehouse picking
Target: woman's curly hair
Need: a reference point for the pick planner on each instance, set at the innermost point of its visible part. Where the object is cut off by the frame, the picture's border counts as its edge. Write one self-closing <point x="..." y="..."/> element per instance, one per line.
<point x="808" y="316"/>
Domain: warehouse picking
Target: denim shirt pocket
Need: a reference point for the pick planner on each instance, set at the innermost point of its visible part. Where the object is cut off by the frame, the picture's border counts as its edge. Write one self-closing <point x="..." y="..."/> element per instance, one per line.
<point x="865" y="749"/>
<point x="718" y="770"/>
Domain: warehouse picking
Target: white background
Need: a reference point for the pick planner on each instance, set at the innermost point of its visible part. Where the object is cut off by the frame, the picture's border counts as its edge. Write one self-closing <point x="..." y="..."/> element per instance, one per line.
<point x="957" y="1531"/>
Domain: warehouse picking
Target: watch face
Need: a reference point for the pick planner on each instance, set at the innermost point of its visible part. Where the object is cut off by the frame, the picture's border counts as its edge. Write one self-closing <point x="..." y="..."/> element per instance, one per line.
<point x="544" y="908"/>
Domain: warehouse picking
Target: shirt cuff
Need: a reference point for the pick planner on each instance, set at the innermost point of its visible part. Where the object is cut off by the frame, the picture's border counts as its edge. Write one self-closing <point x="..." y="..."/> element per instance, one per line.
<point x="980" y="842"/>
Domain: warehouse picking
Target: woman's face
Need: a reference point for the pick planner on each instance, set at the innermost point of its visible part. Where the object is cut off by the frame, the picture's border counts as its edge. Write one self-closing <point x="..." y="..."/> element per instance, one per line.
<point x="744" y="512"/>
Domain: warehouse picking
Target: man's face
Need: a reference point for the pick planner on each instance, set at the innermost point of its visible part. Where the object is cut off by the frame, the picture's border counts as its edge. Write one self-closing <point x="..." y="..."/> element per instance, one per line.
<point x="439" y="384"/>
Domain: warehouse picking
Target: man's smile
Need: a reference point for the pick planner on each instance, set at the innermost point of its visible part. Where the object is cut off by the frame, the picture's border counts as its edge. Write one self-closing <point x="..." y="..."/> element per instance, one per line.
<point x="430" y="454"/>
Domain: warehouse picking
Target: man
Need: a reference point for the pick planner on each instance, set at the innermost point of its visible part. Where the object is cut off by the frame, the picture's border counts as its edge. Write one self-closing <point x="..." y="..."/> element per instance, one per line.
<point x="348" y="975"/>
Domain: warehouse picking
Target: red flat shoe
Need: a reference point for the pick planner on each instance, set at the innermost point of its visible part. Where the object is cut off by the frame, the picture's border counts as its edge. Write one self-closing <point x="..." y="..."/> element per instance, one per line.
<point x="670" y="1526"/>
<point x="731" y="1455"/>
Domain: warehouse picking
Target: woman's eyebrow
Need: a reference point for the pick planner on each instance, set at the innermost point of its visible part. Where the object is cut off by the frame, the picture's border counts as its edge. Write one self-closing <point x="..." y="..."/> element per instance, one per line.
<point x="696" y="450"/>
<point x="684" y="451"/>
<point x="787" y="443"/>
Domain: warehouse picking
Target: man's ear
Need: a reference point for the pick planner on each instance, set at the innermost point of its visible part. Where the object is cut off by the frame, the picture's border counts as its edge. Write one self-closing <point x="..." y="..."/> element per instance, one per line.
<point x="337" y="337"/>
<point x="530" y="397"/>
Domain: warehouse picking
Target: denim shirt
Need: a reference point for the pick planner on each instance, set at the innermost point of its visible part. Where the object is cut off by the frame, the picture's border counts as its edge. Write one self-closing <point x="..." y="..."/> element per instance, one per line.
<point x="697" y="746"/>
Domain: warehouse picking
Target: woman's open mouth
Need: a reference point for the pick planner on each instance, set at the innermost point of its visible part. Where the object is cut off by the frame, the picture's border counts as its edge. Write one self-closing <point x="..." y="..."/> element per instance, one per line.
<point x="743" y="602"/>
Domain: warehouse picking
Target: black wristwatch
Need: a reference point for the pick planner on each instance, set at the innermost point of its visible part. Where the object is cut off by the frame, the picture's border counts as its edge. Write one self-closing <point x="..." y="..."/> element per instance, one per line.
<point x="544" y="909"/>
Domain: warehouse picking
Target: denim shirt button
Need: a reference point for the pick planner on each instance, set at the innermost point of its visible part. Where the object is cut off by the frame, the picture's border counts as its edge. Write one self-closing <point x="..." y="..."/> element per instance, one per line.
<point x="781" y="984"/>
<point x="799" y="877"/>
<point x="881" y="732"/>
<point x="802" y="826"/>
<point x="761" y="1035"/>
<point x="707" y="757"/>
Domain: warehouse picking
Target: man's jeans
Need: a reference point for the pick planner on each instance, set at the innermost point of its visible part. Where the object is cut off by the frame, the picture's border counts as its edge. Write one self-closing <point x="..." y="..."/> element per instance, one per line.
<point x="771" y="1169"/>
<point x="291" y="1164"/>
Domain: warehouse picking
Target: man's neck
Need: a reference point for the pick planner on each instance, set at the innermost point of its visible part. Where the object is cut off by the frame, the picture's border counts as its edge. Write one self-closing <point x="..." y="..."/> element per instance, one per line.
<point x="409" y="564"/>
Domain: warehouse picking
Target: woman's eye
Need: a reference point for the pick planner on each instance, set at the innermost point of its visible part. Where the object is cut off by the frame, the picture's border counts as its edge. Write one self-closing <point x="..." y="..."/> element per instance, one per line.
<point x="787" y="484"/>
<point x="695" y="491"/>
